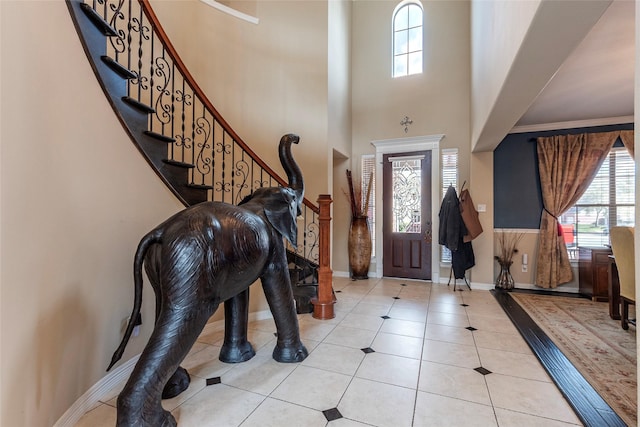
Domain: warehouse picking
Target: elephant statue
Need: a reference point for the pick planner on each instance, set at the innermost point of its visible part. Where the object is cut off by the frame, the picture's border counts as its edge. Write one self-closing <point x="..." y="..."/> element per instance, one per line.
<point x="204" y="255"/>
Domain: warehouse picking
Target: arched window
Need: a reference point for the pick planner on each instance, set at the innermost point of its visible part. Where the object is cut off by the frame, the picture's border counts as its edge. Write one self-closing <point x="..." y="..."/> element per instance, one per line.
<point x="407" y="39"/>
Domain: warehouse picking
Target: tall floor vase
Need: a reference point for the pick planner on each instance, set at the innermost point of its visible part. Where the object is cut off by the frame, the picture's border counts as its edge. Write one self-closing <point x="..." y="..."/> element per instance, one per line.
<point x="359" y="247"/>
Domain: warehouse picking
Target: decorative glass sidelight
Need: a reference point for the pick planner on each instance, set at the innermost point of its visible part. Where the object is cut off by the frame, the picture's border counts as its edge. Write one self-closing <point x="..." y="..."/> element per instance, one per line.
<point x="407" y="194"/>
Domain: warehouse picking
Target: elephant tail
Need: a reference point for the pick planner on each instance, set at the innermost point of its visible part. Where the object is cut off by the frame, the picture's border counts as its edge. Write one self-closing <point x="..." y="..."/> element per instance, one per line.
<point x="146" y="242"/>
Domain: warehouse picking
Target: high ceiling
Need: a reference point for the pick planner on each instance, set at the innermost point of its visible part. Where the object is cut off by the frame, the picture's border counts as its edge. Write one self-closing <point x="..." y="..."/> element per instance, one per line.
<point x="596" y="82"/>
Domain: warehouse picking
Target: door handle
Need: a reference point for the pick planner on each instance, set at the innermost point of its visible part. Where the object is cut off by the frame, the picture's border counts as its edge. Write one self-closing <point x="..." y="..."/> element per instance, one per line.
<point x="427" y="232"/>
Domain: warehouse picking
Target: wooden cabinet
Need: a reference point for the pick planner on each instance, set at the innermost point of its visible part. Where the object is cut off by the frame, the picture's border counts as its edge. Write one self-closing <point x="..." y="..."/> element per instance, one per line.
<point x="593" y="264"/>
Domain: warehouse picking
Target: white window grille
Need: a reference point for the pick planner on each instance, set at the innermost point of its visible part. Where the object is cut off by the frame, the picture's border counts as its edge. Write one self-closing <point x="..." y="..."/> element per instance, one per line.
<point x="368" y="168"/>
<point x="407" y="39"/>
<point x="609" y="201"/>
<point x="449" y="177"/>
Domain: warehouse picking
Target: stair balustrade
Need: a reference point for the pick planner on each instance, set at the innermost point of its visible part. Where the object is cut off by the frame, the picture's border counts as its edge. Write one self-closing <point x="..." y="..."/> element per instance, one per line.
<point x="166" y="114"/>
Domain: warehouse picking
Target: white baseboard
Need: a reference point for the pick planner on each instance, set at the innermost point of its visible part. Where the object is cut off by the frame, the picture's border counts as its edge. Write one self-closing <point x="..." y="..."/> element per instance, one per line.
<point x="95" y="394"/>
<point x="341" y="274"/>
<point x="572" y="288"/>
<point x="372" y="274"/>
<point x="103" y="387"/>
<point x="460" y="283"/>
<point x="482" y="286"/>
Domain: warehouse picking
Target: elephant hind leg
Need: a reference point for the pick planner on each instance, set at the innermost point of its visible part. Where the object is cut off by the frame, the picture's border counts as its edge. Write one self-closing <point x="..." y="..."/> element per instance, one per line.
<point x="175" y="332"/>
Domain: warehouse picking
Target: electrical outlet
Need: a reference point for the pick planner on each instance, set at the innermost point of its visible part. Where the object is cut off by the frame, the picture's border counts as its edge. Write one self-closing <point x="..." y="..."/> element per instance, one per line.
<point x="123" y="324"/>
<point x="525" y="268"/>
<point x="136" y="324"/>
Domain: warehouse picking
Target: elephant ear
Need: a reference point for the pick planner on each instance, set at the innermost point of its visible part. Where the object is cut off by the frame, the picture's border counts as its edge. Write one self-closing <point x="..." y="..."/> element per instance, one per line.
<point x="281" y="210"/>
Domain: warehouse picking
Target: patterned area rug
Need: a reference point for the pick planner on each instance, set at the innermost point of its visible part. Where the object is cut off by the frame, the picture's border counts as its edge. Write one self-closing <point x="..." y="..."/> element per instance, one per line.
<point x="598" y="347"/>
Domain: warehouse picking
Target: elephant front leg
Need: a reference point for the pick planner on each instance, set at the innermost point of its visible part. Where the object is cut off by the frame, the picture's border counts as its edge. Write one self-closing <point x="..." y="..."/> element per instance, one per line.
<point x="178" y="383"/>
<point x="277" y="289"/>
<point x="236" y="348"/>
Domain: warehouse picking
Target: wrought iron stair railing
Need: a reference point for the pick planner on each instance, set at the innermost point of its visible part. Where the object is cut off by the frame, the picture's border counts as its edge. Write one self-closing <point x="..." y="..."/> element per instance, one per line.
<point x="174" y="125"/>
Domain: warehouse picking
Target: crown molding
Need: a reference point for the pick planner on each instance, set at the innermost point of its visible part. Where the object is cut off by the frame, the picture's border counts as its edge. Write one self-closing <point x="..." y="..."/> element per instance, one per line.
<point x="573" y="124"/>
<point x="230" y="11"/>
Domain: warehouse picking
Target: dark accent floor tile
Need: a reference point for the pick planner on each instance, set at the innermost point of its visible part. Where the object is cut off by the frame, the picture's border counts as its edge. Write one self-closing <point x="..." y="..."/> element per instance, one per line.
<point x="337" y="292"/>
<point x="385" y="317"/>
<point x="332" y="414"/>
<point x="403" y="284"/>
<point x="368" y="350"/>
<point x="396" y="297"/>
<point x="471" y="328"/>
<point x="465" y="305"/>
<point x="214" y="380"/>
<point x="482" y="370"/>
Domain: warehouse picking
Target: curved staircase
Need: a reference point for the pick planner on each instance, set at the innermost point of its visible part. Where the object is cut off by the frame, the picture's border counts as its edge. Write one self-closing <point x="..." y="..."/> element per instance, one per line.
<point x="174" y="125"/>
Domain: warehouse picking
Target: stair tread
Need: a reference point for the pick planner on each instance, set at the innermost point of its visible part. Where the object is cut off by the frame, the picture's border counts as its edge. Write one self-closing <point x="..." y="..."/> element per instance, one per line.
<point x="159" y="136"/>
<point x="201" y="186"/>
<point x="104" y="27"/>
<point x="138" y="105"/>
<point x="120" y="69"/>
<point x="178" y="163"/>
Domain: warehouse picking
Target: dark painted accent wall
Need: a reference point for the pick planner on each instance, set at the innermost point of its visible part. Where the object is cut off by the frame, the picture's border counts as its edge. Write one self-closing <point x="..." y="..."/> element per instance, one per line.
<point x="517" y="199"/>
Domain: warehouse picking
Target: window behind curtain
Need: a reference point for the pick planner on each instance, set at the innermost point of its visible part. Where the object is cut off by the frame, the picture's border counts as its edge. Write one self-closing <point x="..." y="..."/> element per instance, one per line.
<point x="609" y="201"/>
<point x="368" y="168"/>
<point x="449" y="176"/>
<point x="407" y="39"/>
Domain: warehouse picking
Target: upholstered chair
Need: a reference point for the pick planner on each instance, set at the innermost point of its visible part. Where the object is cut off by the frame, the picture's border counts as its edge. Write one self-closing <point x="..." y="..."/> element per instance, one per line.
<point x="623" y="250"/>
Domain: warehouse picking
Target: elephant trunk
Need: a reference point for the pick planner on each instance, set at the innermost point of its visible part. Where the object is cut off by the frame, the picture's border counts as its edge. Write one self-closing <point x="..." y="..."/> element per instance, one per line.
<point x="290" y="166"/>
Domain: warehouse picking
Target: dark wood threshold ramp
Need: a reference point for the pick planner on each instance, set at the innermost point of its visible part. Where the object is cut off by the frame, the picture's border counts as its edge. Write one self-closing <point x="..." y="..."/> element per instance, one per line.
<point x="590" y="408"/>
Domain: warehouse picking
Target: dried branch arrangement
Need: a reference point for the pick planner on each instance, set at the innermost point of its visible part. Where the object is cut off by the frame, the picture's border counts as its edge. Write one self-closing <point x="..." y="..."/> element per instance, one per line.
<point x="508" y="242"/>
<point x="359" y="205"/>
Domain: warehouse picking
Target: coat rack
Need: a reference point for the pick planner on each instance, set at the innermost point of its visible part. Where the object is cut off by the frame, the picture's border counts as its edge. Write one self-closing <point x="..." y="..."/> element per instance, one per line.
<point x="463" y="218"/>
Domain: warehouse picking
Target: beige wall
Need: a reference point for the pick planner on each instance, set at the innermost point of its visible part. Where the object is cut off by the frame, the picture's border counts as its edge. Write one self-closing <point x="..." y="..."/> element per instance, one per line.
<point x="509" y="39"/>
<point x="266" y="79"/>
<point x="339" y="129"/>
<point x="76" y="197"/>
<point x="339" y="77"/>
<point x="438" y="100"/>
<point x="341" y="217"/>
<point x="481" y="191"/>
<point x="494" y="49"/>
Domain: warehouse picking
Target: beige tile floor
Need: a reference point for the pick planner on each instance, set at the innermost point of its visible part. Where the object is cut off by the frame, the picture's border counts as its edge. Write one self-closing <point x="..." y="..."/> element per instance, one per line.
<point x="421" y="373"/>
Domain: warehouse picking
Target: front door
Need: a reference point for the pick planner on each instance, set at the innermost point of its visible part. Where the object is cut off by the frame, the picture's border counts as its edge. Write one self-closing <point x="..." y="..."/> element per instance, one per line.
<point x="406" y="222"/>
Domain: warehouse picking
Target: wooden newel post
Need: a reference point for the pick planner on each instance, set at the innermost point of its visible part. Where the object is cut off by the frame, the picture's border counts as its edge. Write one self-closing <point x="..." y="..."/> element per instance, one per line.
<point x="323" y="304"/>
